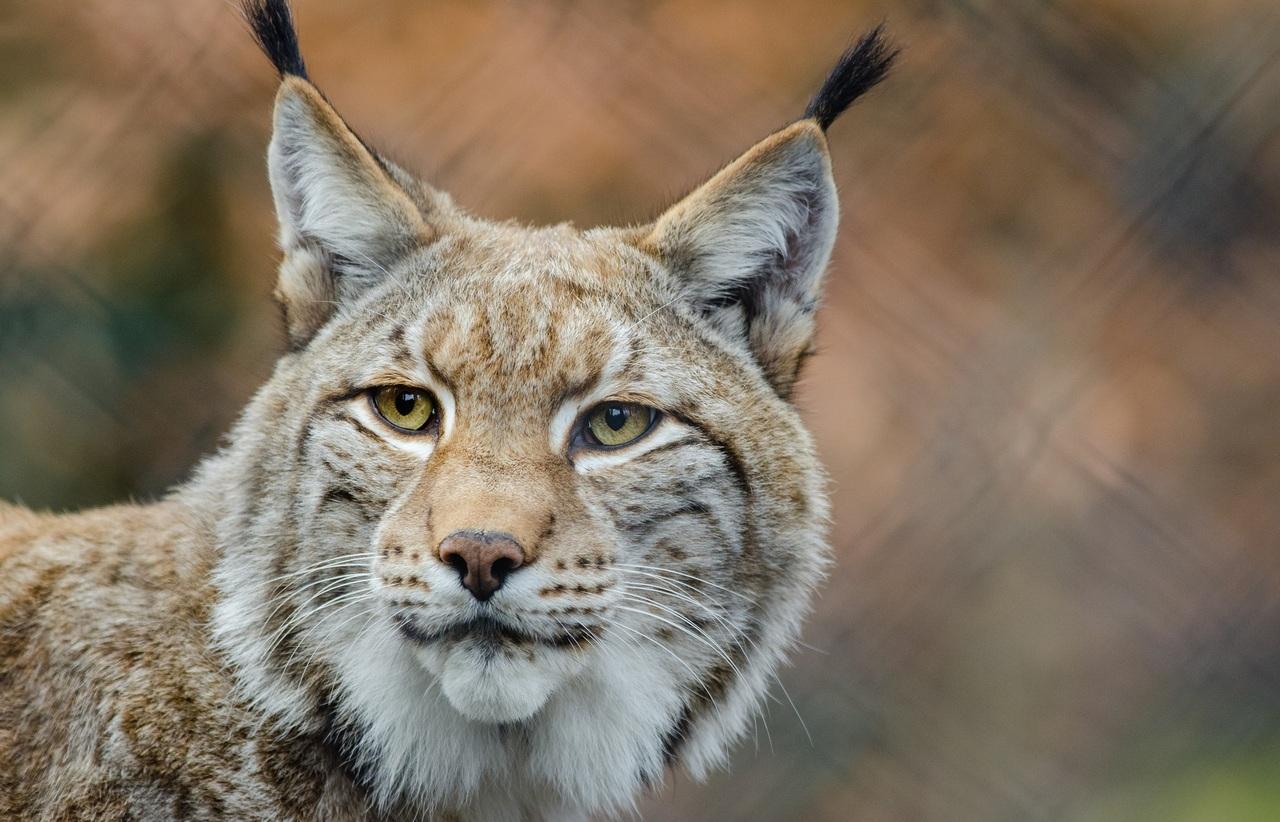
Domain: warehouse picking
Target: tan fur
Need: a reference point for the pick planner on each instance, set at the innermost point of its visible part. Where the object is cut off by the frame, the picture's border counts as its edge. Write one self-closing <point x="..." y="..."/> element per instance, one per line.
<point x="112" y="700"/>
<point x="280" y="638"/>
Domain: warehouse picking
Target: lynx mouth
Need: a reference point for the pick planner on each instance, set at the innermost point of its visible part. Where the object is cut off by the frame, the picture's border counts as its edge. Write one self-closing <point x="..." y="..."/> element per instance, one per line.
<point x="490" y="631"/>
<point x="491" y="671"/>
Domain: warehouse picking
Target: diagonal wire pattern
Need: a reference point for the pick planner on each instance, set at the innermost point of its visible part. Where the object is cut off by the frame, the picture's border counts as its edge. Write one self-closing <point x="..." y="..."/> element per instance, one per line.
<point x="1049" y="355"/>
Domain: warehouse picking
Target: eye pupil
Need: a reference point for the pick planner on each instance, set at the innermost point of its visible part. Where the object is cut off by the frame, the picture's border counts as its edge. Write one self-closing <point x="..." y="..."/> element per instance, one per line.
<point x="616" y="416"/>
<point x="409" y="409"/>
<point x="405" y="402"/>
<point x="614" y="424"/>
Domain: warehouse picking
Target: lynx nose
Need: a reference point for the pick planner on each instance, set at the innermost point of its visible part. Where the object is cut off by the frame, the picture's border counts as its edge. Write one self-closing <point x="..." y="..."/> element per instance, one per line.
<point x="482" y="559"/>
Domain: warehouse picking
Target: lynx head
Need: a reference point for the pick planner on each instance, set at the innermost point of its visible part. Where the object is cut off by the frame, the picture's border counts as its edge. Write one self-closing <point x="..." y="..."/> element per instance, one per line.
<point x="527" y="512"/>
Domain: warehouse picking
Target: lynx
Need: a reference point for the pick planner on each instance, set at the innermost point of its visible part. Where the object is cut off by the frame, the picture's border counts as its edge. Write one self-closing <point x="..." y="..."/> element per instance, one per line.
<point x="523" y="517"/>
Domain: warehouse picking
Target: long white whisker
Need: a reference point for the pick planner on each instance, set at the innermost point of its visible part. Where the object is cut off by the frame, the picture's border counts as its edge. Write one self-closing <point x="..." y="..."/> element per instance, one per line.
<point x="735" y="631"/>
<point x="353" y="598"/>
<point x="778" y="679"/>
<point x="630" y="644"/>
<point x="701" y="635"/>
<point x="697" y="579"/>
<point x="325" y="564"/>
<point x="336" y="629"/>
<point x="303" y="615"/>
<point x="333" y="582"/>
<point x="738" y="636"/>
<point x="813" y="648"/>
<point x="696" y="679"/>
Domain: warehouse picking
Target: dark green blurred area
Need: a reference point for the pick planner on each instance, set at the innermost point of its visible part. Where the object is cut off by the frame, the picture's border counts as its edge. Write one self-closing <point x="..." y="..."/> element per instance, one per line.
<point x="1049" y="364"/>
<point x="106" y="360"/>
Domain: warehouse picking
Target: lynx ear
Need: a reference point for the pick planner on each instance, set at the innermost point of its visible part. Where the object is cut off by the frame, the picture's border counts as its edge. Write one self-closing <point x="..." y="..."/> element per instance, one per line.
<point x="343" y="219"/>
<point x="750" y="246"/>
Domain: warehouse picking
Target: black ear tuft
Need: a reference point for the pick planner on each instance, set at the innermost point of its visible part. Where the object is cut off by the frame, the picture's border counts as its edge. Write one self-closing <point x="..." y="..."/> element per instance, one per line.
<point x="862" y="65"/>
<point x="272" y="24"/>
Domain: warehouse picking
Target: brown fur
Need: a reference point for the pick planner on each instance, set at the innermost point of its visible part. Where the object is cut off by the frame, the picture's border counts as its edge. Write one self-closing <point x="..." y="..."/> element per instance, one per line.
<point x="109" y="689"/>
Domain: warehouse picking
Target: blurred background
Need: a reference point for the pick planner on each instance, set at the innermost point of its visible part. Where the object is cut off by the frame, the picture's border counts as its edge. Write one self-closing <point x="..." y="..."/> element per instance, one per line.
<point x="1049" y="384"/>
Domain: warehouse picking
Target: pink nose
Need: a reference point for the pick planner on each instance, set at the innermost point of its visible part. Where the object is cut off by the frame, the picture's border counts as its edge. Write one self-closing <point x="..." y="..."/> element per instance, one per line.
<point x="483" y="559"/>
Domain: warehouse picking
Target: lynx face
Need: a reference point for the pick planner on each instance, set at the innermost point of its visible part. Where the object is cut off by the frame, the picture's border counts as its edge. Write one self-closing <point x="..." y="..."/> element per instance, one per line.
<point x="525" y="511"/>
<point x="511" y="546"/>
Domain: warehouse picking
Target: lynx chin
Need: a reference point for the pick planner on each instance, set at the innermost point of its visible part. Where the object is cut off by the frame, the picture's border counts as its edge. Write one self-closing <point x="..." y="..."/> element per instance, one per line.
<point x="522" y="518"/>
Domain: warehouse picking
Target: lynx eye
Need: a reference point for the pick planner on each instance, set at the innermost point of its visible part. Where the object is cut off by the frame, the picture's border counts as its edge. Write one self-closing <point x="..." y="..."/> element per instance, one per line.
<point x="612" y="424"/>
<point x="409" y="409"/>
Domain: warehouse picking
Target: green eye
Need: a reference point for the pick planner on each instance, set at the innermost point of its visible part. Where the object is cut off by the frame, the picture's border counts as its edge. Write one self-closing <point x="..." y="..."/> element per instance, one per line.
<point x="409" y="409"/>
<point x="612" y="424"/>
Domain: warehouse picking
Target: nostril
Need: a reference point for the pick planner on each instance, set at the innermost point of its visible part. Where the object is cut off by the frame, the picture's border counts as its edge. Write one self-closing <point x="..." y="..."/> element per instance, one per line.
<point x="501" y="567"/>
<point x="457" y="562"/>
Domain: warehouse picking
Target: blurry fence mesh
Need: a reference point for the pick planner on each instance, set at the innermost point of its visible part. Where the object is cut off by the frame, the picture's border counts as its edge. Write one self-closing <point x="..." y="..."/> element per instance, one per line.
<point x="1050" y="355"/>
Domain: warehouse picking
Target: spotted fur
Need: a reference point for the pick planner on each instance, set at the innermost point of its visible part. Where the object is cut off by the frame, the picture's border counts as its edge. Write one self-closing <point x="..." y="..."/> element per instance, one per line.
<point x="280" y="638"/>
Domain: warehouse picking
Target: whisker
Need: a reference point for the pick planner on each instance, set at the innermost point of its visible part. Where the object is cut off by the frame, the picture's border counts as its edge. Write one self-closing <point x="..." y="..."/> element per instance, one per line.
<point x="808" y="735"/>
<point x="301" y="616"/>
<point x="673" y="655"/>
<point x="360" y="596"/>
<point x="334" y="582"/>
<point x="813" y="648"/>
<point x="737" y="633"/>
<point x="631" y="645"/>
<point x="765" y="715"/>
<point x="698" y="579"/>
<point x="701" y="635"/>
<point x="325" y="564"/>
<point x="693" y="577"/>
<point x="370" y="612"/>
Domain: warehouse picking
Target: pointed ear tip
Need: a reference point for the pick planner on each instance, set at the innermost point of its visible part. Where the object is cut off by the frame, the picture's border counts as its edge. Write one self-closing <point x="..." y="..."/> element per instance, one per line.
<point x="299" y="104"/>
<point x="810" y="129"/>
<point x="802" y="136"/>
<point x="292" y="87"/>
